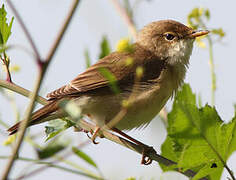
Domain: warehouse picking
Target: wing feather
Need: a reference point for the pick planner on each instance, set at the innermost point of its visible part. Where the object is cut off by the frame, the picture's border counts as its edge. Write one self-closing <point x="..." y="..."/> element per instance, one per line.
<point x="92" y="78"/>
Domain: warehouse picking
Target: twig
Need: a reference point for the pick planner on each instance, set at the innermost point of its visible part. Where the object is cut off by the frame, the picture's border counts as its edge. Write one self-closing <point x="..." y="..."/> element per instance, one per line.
<point x="61" y="159"/>
<point x="123" y="13"/>
<point x="212" y="68"/>
<point x="42" y="71"/>
<point x="121" y="141"/>
<point x="49" y="164"/>
<point x="139" y="149"/>
<point x="6" y="63"/>
<point x="22" y="91"/>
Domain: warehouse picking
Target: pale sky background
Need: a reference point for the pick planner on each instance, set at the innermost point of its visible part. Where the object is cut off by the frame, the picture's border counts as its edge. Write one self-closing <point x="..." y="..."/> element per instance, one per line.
<point x="93" y="19"/>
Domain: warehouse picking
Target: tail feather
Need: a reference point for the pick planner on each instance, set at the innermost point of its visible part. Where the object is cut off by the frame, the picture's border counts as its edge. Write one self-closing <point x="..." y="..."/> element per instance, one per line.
<point x="37" y="117"/>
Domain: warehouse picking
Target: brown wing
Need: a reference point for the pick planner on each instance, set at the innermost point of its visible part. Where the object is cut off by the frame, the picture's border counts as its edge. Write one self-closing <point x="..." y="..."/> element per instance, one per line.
<point x="92" y="78"/>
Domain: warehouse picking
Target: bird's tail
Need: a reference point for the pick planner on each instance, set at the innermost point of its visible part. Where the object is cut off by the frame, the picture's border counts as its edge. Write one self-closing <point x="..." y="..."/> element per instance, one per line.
<point x="37" y="117"/>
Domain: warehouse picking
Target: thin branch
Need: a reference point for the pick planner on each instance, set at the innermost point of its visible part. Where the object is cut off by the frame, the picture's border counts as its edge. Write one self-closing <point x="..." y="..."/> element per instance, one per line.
<point x="139" y="149"/>
<point x="119" y="140"/>
<point x="22" y="91"/>
<point x="22" y="24"/>
<point x="212" y="65"/>
<point x="212" y="69"/>
<point x="123" y="13"/>
<point x="23" y="127"/>
<point x="62" y="159"/>
<point x="49" y="164"/>
<point x="6" y="63"/>
<point x="42" y="71"/>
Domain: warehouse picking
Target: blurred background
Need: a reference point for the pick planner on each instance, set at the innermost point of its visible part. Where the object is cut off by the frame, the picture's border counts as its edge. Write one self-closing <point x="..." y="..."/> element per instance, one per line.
<point x="92" y="21"/>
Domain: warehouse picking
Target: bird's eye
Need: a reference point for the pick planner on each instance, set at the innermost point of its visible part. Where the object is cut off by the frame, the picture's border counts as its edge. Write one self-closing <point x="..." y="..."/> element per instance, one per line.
<point x="169" y="36"/>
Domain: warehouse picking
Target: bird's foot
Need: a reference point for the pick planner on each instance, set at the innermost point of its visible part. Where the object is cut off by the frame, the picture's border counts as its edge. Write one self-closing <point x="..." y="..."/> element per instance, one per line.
<point x="146" y="149"/>
<point x="145" y="159"/>
<point x="94" y="135"/>
<point x="79" y="129"/>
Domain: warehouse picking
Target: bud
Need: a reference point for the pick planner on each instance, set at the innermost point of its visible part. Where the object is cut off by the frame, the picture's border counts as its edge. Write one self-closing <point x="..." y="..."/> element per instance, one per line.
<point x="129" y="61"/>
<point x="139" y="72"/>
<point x="124" y="45"/>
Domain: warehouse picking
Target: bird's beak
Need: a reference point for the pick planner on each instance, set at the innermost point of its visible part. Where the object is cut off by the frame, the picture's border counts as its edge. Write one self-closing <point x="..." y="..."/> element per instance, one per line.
<point x="198" y="33"/>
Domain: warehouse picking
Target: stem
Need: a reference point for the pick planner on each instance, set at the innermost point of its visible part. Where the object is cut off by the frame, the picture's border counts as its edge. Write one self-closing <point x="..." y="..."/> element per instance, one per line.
<point x="6" y="63"/>
<point x="50" y="165"/>
<point x="22" y="91"/>
<point x="212" y="69"/>
<point x="23" y="126"/>
<point x="212" y="66"/>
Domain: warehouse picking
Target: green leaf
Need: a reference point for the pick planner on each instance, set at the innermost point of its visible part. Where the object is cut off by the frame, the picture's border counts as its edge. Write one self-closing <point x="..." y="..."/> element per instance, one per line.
<point x="131" y="178"/>
<point x="87" y="58"/>
<point x="105" y="48"/>
<point x="5" y="28"/>
<point x="55" y="127"/>
<point x="197" y="137"/>
<point x="207" y="14"/>
<point x="111" y="79"/>
<point x="84" y="156"/>
<point x="50" y="150"/>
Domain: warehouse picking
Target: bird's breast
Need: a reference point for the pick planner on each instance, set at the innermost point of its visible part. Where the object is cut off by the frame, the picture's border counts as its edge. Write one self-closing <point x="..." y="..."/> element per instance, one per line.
<point x="144" y="106"/>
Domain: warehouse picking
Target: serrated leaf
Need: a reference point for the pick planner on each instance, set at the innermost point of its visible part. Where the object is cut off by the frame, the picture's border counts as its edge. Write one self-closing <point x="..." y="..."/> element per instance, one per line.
<point x="49" y="151"/>
<point x="197" y="137"/>
<point x="105" y="48"/>
<point x="111" y="79"/>
<point x="5" y="28"/>
<point x="84" y="156"/>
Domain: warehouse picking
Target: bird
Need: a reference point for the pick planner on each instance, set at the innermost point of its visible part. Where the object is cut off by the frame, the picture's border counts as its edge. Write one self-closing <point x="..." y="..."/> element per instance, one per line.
<point x="162" y="52"/>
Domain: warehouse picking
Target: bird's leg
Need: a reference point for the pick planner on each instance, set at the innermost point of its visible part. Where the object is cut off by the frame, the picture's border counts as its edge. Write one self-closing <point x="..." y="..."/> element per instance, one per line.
<point x="79" y="129"/>
<point x="146" y="149"/>
<point x="94" y="134"/>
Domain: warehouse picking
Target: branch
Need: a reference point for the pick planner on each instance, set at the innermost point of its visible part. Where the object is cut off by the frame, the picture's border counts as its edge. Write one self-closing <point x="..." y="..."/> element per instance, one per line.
<point x="6" y="63"/>
<point x="40" y="77"/>
<point x="22" y="91"/>
<point x="50" y="164"/>
<point x="108" y="135"/>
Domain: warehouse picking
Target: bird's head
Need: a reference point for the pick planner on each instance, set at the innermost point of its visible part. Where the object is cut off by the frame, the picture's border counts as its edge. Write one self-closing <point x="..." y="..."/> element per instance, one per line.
<point x="169" y="40"/>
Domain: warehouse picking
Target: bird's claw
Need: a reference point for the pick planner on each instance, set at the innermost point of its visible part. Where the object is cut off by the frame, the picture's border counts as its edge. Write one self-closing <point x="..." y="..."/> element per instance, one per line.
<point x="145" y="159"/>
<point x="93" y="135"/>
